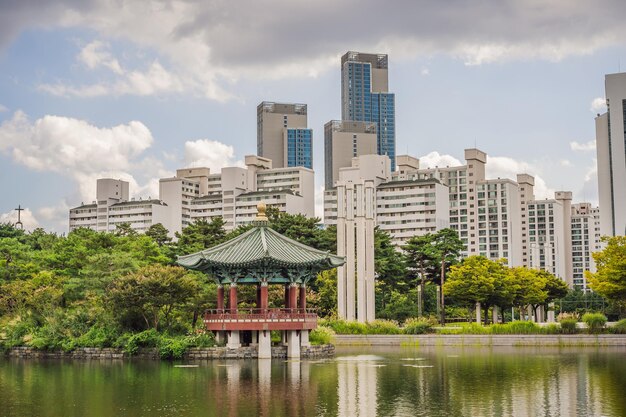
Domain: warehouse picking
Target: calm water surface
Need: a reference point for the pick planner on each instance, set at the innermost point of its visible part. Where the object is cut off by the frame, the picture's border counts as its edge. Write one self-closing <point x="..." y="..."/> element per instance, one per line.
<point x="358" y="382"/>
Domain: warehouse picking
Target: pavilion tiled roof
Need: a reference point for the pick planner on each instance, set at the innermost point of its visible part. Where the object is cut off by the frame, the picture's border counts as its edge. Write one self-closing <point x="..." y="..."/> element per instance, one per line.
<point x="260" y="245"/>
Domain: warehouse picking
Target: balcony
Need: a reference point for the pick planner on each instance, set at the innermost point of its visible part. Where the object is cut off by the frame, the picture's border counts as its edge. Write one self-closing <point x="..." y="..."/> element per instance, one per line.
<point x="261" y="319"/>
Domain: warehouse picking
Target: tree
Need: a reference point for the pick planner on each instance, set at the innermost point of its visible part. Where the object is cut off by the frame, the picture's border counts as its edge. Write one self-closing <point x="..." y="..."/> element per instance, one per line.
<point x="159" y="234"/>
<point x="389" y="267"/>
<point x="125" y="229"/>
<point x="8" y="230"/>
<point x="325" y="298"/>
<point x="473" y="281"/>
<point x="448" y="248"/>
<point x="530" y="288"/>
<point x="298" y="227"/>
<point x="153" y="291"/>
<point x="201" y="235"/>
<point x="421" y="261"/>
<point x="610" y="278"/>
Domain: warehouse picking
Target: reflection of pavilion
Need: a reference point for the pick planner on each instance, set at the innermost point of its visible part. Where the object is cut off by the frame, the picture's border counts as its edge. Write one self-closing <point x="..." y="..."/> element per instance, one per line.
<point x="262" y="257"/>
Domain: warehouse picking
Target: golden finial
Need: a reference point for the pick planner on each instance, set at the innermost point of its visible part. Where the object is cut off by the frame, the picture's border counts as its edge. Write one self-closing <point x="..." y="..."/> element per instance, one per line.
<point x="261" y="207"/>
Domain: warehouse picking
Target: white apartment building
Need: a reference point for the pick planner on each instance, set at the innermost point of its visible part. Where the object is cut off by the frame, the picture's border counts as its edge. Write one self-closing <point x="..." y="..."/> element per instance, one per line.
<point x="585" y="241"/>
<point x="234" y="193"/>
<point x="195" y="193"/>
<point x="485" y="212"/>
<point x="404" y="207"/>
<point x="490" y="215"/>
<point x="550" y="236"/>
<point x="113" y="207"/>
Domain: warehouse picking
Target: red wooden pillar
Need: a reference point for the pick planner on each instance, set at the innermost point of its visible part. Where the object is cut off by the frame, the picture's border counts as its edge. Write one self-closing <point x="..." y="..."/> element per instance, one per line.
<point x="264" y="296"/>
<point x="293" y="295"/>
<point x="258" y="296"/>
<point x="302" y="297"/>
<point x="220" y="297"/>
<point x="286" y="295"/>
<point x="233" y="298"/>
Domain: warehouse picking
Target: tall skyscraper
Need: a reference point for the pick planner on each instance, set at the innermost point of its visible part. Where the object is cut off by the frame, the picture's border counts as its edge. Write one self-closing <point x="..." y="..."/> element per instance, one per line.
<point x="283" y="136"/>
<point x="365" y="97"/>
<point x="611" y="156"/>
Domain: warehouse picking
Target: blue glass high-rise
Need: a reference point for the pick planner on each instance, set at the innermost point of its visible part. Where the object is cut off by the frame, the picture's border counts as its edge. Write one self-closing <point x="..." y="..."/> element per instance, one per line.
<point x="365" y="97"/>
<point x="300" y="148"/>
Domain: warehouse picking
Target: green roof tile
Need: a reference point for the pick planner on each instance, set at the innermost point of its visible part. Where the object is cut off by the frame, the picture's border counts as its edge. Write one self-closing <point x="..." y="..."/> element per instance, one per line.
<point x="260" y="247"/>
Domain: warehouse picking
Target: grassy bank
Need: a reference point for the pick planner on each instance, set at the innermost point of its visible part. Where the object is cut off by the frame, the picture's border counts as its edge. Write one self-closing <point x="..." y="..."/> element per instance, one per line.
<point x="430" y="326"/>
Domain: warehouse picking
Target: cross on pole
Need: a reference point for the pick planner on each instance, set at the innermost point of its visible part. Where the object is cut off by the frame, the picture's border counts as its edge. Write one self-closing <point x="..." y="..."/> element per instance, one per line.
<point x="19" y="210"/>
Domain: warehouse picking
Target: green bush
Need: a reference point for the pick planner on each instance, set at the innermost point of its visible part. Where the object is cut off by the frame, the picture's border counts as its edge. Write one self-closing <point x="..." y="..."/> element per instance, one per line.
<point x="595" y="321"/>
<point x="97" y="336"/>
<point x="16" y="332"/>
<point x="53" y="334"/>
<point x="551" y="328"/>
<point x="344" y="327"/>
<point x="568" y="322"/>
<point x="321" y="336"/>
<point x="201" y="340"/>
<point x="619" y="328"/>
<point x="146" y="339"/>
<point x="353" y="327"/>
<point x="172" y="347"/>
<point x="419" y="325"/>
<point x="275" y="336"/>
<point x="516" y="327"/>
<point x="383" y="327"/>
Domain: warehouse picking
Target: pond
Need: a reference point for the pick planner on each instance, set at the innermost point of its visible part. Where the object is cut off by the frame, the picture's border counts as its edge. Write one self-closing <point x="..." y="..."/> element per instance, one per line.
<point x="357" y="382"/>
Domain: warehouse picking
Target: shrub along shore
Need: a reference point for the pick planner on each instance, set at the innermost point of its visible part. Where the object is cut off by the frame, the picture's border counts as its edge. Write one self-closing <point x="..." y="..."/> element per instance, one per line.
<point x="594" y="324"/>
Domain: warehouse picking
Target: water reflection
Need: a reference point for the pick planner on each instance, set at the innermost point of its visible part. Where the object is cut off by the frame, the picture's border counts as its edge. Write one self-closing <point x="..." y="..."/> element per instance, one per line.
<point x="359" y="382"/>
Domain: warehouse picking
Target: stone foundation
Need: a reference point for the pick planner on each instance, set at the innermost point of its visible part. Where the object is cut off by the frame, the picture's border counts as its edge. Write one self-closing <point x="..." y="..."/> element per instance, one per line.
<point x="279" y="352"/>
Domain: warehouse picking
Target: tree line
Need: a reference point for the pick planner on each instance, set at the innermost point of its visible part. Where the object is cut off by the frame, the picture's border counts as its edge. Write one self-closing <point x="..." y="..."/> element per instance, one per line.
<point x="94" y="288"/>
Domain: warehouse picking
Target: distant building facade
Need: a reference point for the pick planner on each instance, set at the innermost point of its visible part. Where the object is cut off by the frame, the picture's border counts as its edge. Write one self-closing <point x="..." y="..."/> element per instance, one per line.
<point x="585" y="241"/>
<point x="611" y="157"/>
<point x="365" y="97"/>
<point x="344" y="140"/>
<point x="113" y="207"/>
<point x="283" y="135"/>
<point x="195" y="193"/>
<point x="405" y="207"/>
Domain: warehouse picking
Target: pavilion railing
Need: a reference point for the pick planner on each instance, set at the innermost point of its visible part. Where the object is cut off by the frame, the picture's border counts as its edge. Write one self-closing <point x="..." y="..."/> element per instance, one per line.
<point x="261" y="314"/>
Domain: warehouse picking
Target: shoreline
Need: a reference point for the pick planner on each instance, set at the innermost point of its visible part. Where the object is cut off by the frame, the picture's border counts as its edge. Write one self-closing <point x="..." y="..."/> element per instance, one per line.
<point x="579" y="340"/>
<point x="328" y="350"/>
<point x="212" y="353"/>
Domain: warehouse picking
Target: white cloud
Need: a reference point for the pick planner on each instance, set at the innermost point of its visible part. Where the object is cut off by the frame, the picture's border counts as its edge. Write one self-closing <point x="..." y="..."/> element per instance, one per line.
<point x="435" y="159"/>
<point x="3" y="108"/>
<point x="97" y="54"/>
<point x="56" y="216"/>
<point x="584" y="147"/>
<point x="209" y="153"/>
<point x="204" y="46"/>
<point x="505" y="167"/>
<point x="425" y="71"/>
<point x="75" y="148"/>
<point x="598" y="105"/>
<point x="592" y="172"/>
<point x="153" y="80"/>
<point x="27" y="218"/>
<point x="565" y="163"/>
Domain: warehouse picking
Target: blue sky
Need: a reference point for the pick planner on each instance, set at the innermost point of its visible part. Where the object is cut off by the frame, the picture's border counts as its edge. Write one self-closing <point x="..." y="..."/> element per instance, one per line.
<point x="101" y="88"/>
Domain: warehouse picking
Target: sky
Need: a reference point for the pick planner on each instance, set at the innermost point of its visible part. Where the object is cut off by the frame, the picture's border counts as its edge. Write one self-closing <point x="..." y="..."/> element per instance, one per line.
<point x="135" y="90"/>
